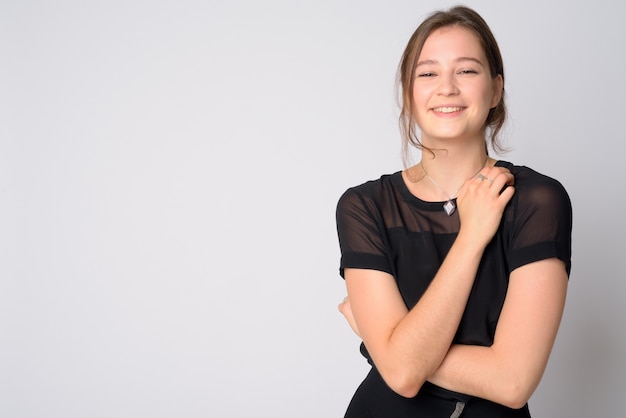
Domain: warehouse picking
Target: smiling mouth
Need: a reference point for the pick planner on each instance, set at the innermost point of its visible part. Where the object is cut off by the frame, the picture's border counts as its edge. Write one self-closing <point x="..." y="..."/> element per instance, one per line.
<point x="447" y="109"/>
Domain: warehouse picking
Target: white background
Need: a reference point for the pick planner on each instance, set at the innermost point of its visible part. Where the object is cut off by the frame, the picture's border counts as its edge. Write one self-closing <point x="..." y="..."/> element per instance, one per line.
<point x="169" y="172"/>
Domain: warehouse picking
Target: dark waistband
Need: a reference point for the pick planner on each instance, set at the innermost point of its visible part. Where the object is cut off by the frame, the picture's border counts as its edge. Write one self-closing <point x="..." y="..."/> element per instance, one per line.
<point x="440" y="392"/>
<point x="434" y="390"/>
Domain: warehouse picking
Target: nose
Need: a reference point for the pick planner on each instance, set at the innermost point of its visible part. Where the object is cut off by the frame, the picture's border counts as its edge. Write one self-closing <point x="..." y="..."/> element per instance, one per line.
<point x="447" y="85"/>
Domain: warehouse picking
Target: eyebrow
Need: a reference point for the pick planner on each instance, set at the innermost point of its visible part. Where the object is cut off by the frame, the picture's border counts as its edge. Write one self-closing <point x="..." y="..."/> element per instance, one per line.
<point x="460" y="59"/>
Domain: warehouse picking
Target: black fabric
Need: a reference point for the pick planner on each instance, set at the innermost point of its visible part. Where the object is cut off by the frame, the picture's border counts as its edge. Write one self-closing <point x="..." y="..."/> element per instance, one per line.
<point x="382" y="226"/>
<point x="375" y="399"/>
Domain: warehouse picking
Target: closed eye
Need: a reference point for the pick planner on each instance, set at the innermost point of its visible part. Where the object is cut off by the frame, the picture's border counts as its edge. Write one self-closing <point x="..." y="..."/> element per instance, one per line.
<point x="426" y="74"/>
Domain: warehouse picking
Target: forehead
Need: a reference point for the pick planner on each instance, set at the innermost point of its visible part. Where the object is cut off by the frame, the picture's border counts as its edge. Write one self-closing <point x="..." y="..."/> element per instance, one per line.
<point x="452" y="42"/>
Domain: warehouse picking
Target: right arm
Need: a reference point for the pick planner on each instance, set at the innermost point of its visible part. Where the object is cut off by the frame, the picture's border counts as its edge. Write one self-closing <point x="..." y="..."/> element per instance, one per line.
<point x="407" y="346"/>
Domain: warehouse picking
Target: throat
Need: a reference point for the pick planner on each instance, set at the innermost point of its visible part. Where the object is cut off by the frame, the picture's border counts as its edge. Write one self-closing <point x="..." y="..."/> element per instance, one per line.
<point x="449" y="205"/>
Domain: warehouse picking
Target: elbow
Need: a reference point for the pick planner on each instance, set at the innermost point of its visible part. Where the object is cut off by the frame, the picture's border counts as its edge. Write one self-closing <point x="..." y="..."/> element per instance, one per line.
<point x="515" y="402"/>
<point x="516" y="394"/>
<point x="408" y="391"/>
<point x="515" y="383"/>
<point x="404" y="384"/>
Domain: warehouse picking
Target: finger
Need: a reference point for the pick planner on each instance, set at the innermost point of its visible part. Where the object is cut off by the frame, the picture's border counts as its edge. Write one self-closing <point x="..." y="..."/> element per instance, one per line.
<point x="490" y="173"/>
<point x="501" y="180"/>
<point x="342" y="305"/>
<point x="506" y="195"/>
<point x="482" y="177"/>
<point x="485" y="176"/>
<point x="495" y="179"/>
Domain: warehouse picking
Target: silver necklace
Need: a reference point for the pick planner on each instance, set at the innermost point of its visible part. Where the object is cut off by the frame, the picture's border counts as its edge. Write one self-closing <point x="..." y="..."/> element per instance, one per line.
<point x="449" y="207"/>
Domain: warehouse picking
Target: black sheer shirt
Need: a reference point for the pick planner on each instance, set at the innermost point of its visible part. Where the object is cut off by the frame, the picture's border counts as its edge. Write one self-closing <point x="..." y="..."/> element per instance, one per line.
<point x="383" y="226"/>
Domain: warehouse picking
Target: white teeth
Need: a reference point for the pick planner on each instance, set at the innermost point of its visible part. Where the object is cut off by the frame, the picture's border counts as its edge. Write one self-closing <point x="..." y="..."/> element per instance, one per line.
<point x="447" y="109"/>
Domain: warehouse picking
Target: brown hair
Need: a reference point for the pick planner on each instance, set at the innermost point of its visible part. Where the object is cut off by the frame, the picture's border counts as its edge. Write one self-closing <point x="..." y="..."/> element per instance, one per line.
<point x="456" y="16"/>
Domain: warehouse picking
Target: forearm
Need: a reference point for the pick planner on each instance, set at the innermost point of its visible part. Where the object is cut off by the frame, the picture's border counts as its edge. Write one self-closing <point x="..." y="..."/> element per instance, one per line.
<point x="421" y="340"/>
<point x="487" y="373"/>
<point x="509" y="371"/>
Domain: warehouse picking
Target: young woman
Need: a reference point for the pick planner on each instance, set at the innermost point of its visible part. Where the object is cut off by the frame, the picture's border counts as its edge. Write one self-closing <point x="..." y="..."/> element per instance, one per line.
<point x="456" y="268"/>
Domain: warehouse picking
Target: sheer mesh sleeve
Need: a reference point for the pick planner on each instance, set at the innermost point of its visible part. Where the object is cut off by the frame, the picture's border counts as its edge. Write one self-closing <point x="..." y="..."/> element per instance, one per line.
<point x="541" y="224"/>
<point x="359" y="227"/>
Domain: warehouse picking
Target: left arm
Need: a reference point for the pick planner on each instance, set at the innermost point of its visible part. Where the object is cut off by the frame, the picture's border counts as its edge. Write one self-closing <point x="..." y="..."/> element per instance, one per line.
<point x="509" y="371"/>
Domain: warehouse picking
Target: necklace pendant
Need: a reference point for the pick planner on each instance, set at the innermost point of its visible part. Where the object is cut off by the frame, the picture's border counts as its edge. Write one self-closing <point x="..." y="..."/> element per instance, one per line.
<point x="449" y="207"/>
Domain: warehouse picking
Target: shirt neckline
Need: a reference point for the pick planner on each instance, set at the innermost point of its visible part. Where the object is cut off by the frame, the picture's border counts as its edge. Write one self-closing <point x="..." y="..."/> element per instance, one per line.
<point x="425" y="204"/>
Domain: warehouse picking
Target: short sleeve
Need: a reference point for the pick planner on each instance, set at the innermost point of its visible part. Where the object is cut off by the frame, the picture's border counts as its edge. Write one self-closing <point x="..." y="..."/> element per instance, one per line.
<point x="359" y="228"/>
<point x="541" y="224"/>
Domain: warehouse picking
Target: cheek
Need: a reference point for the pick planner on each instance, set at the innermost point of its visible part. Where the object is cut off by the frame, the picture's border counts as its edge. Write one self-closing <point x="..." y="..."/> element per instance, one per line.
<point x="420" y="98"/>
<point x="416" y="95"/>
<point x="485" y="95"/>
<point x="415" y="101"/>
<point x="495" y="97"/>
<point x="419" y="105"/>
<point x="491" y="95"/>
<point x="422" y="89"/>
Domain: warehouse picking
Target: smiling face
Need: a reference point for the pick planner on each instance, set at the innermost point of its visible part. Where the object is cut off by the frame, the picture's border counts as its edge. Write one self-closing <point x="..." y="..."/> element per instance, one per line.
<point x="453" y="89"/>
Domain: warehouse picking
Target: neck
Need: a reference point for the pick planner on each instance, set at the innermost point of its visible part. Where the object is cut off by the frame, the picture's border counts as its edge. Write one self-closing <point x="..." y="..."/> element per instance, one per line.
<point x="449" y="169"/>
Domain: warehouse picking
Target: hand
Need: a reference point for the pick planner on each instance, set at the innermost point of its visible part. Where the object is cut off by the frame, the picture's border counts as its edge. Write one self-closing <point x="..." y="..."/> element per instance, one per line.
<point x="346" y="310"/>
<point x="481" y="202"/>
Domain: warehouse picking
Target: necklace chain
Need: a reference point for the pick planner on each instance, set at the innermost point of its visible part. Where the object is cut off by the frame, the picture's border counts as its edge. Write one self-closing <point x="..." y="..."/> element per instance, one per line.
<point x="449" y="207"/>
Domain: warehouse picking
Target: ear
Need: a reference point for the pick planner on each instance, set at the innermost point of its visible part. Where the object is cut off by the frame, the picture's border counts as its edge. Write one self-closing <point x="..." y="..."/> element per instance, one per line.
<point x="498" y="88"/>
